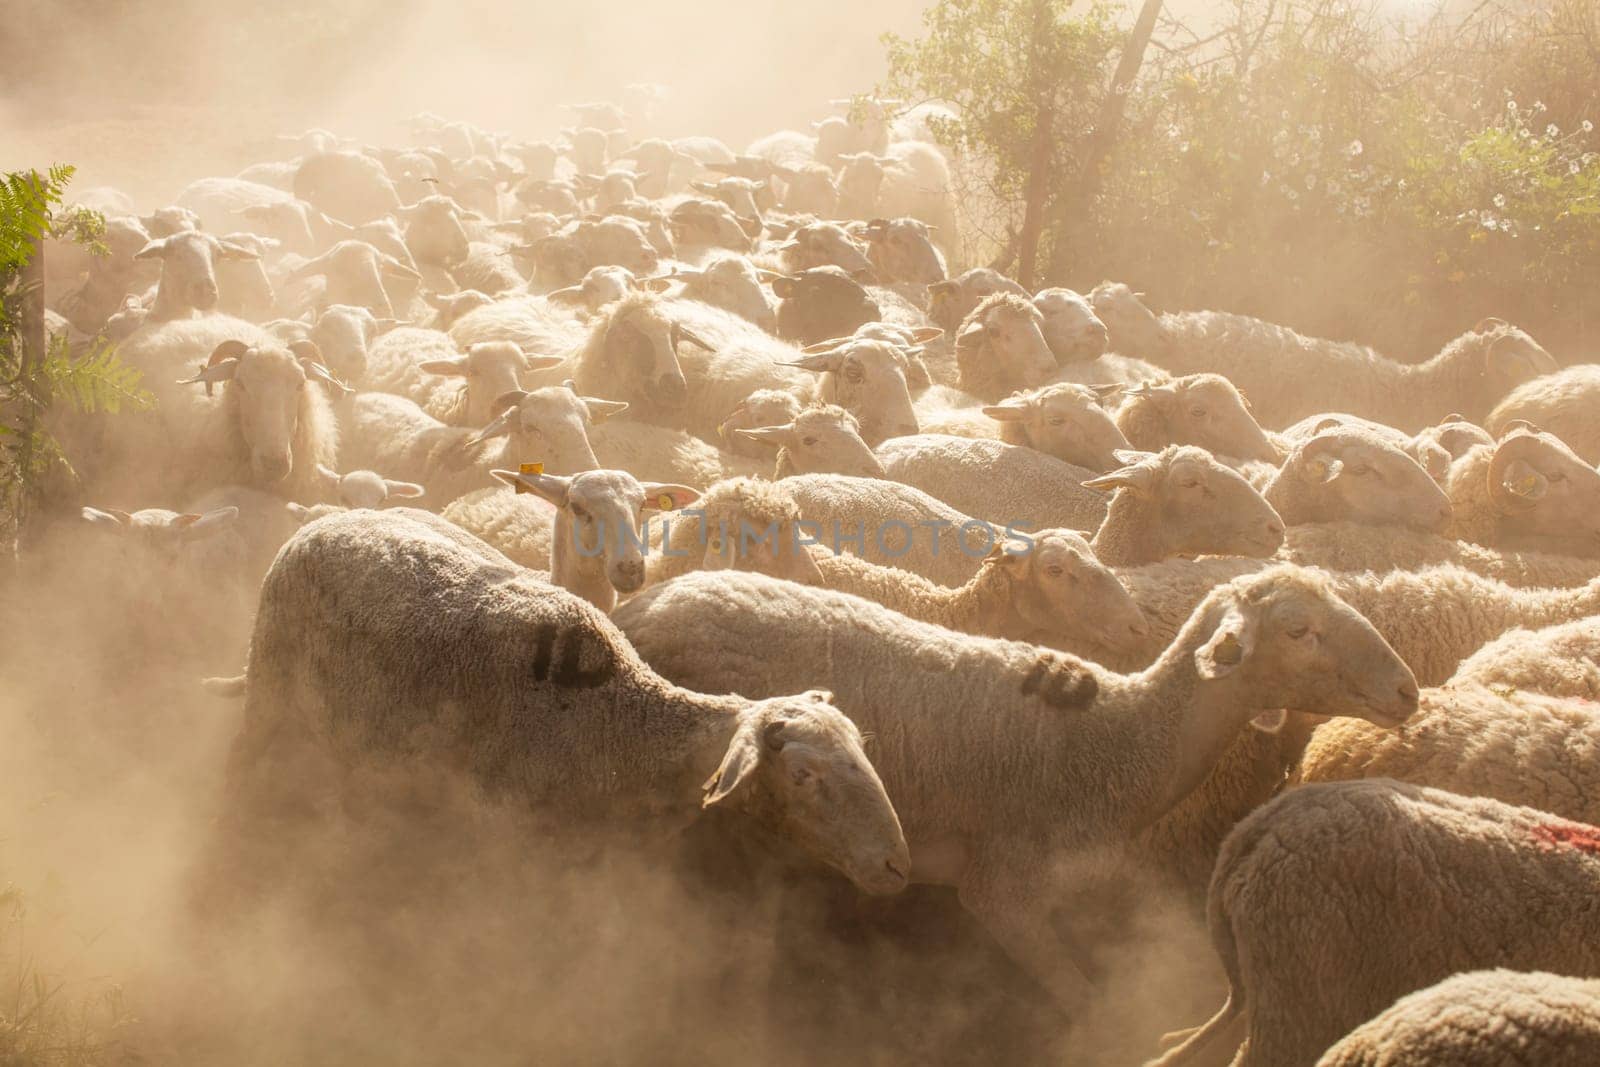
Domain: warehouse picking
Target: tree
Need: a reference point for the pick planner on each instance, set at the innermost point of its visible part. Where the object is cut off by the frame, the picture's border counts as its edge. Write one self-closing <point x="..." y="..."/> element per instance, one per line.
<point x="38" y="371"/>
<point x="1027" y="81"/>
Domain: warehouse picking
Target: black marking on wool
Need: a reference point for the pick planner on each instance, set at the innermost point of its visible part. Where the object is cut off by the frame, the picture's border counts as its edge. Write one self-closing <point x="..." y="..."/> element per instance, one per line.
<point x="1060" y="683"/>
<point x="566" y="671"/>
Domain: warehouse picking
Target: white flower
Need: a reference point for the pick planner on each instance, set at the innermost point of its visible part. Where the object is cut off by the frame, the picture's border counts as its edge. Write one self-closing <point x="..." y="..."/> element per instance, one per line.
<point x="1588" y="127"/>
<point x="1354" y="148"/>
<point x="1500" y="201"/>
<point x="1511" y="106"/>
<point x="1538" y="106"/>
<point x="1551" y="132"/>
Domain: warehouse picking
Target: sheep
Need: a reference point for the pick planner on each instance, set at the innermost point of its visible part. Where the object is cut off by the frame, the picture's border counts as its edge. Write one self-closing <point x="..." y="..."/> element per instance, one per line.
<point x="1333" y="900"/>
<point x="820" y="303"/>
<point x="809" y="189"/>
<point x="532" y="323"/>
<point x="892" y="525"/>
<point x="1181" y="501"/>
<point x="243" y="287"/>
<point x="1070" y="327"/>
<point x="551" y="424"/>
<point x="588" y="148"/>
<point x="1054" y="593"/>
<point x="730" y="530"/>
<point x="457" y="388"/>
<point x="1529" y="749"/>
<point x="220" y="204"/>
<point x="996" y="481"/>
<point x="1065" y="757"/>
<point x="570" y="723"/>
<point x="764" y="407"/>
<point x="188" y="282"/>
<point x="1527" y="492"/>
<point x="344" y="333"/>
<point x="1435" y="618"/>
<point x="911" y="179"/>
<point x="1434" y="448"/>
<point x="110" y="278"/>
<point x="353" y="273"/>
<point x="487" y="268"/>
<point x="1470" y="375"/>
<point x="270" y="427"/>
<point x="450" y="307"/>
<point x="701" y="225"/>
<point x="742" y="195"/>
<point x="821" y="439"/>
<point x="950" y="302"/>
<point x="347" y="186"/>
<point x="823" y="244"/>
<point x="1000" y="349"/>
<point x="1196" y="409"/>
<point x="1561" y="660"/>
<point x="596" y="550"/>
<point x="1481" y="1019"/>
<point x="1562" y="402"/>
<point x="564" y="257"/>
<point x="901" y="251"/>
<point x="1066" y="421"/>
<point x="1347" y="546"/>
<point x="732" y="283"/>
<point x="663" y="454"/>
<point x="366" y="489"/>
<point x="1350" y="474"/>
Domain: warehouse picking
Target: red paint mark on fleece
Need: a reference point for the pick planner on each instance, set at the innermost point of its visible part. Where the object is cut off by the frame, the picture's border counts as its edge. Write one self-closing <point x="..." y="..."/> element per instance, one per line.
<point x="1574" y="834"/>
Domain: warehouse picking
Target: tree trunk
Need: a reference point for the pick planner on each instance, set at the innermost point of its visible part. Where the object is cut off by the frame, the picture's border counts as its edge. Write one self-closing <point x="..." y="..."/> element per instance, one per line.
<point x="1072" y="207"/>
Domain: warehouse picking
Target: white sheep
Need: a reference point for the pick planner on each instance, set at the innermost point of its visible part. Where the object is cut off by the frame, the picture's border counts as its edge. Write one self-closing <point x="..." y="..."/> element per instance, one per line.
<point x="1527" y="492"/>
<point x="1481" y="1019"/>
<point x="595" y="738"/>
<point x="1556" y="660"/>
<point x="1111" y="752"/>
<point x="1522" y="748"/>
<point x="1349" y="474"/>
<point x="1435" y="617"/>
<point x="1000" y="348"/>
<point x="188" y="284"/>
<point x="1289" y="377"/>
<point x="1334" y="900"/>
<point x="1563" y="403"/>
<point x="822" y="439"/>
<point x="1054" y="593"/>
<point x="1066" y="420"/>
<point x="1195" y="409"/>
<point x="457" y="388"/>
<point x="996" y="481"/>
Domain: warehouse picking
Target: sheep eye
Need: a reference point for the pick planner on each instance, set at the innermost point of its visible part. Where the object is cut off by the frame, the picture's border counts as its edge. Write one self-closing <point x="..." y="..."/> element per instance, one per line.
<point x="1555" y="476"/>
<point x="808" y="441"/>
<point x="1189" y="485"/>
<point x="800" y="775"/>
<point x="1297" y="632"/>
<point x="1057" y="420"/>
<point x="579" y="513"/>
<point x="853" y="375"/>
<point x="1361" y="471"/>
<point x="1198" y="413"/>
<point x="1054" y="570"/>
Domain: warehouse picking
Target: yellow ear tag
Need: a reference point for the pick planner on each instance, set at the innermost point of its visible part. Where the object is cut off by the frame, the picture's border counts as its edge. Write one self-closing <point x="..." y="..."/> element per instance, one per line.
<point x="1527" y="485"/>
<point x="528" y="468"/>
<point x="1317" y="468"/>
<point x="664" y="501"/>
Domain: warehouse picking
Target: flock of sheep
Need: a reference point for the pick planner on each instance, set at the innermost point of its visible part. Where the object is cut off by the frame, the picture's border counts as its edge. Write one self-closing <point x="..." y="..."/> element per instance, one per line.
<point x="736" y="498"/>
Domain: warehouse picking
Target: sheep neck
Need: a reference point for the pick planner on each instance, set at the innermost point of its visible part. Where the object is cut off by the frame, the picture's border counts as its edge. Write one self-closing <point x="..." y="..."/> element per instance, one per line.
<point x="1197" y="722"/>
<point x="1128" y="535"/>
<point x="582" y="575"/>
<point x="167" y="306"/>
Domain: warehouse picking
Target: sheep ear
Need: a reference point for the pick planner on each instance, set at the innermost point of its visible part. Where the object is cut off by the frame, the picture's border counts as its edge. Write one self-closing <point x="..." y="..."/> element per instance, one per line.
<point x="301" y="513"/>
<point x="819" y="363"/>
<point x="1522" y="480"/>
<point x="971" y="337"/>
<point x="1139" y="475"/>
<point x="1007" y="411"/>
<point x="230" y="250"/>
<point x="154" y="250"/>
<point x="328" y="475"/>
<point x="404" y="490"/>
<point x="925" y="335"/>
<point x="1514" y="425"/>
<point x="1271" y="722"/>
<point x="195" y="526"/>
<point x="1510" y="356"/>
<point x="456" y="368"/>
<point x="1109" y="391"/>
<point x="600" y="410"/>
<point x="768" y="435"/>
<point x="740" y="762"/>
<point x="506" y="401"/>
<point x="110" y="518"/>
<point x="660" y="496"/>
<point x="783" y="286"/>
<point x="1228" y="647"/>
<point x="552" y="487"/>
<point x="1324" y="471"/>
<point x="315" y="371"/>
